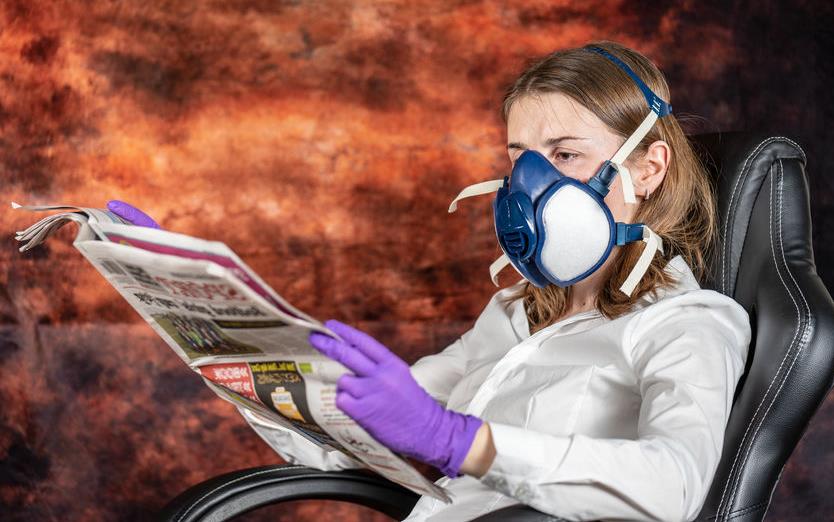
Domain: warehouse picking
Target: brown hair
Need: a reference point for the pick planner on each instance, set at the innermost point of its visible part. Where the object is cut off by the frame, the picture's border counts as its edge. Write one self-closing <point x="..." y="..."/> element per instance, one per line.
<point x="681" y="210"/>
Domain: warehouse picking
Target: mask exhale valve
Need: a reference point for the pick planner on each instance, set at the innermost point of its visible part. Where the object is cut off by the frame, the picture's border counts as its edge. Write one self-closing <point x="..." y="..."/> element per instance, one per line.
<point x="554" y="229"/>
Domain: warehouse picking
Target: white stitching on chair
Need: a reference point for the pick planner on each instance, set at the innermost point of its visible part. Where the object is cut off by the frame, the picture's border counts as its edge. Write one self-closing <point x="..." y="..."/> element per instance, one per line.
<point x="753" y="418"/>
<point x="801" y="344"/>
<point x="807" y="328"/>
<point x="213" y="491"/>
<point x="744" y="439"/>
<point x="748" y="509"/>
<point x="736" y="185"/>
<point x="743" y="511"/>
<point x="742" y="175"/>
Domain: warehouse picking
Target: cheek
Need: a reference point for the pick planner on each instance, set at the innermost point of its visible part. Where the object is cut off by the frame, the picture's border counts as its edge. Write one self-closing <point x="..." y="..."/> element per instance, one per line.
<point x="617" y="204"/>
<point x="577" y="170"/>
<point x="616" y="207"/>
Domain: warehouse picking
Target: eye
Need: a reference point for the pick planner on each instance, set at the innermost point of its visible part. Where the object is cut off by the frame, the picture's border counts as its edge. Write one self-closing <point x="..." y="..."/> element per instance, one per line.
<point x="564" y="157"/>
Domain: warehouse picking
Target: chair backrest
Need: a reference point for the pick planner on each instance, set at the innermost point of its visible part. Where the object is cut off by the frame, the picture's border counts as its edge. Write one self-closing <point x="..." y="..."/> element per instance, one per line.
<point x="765" y="261"/>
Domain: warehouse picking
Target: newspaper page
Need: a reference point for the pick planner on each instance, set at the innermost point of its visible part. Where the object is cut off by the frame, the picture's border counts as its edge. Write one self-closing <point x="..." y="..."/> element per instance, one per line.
<point x="247" y="342"/>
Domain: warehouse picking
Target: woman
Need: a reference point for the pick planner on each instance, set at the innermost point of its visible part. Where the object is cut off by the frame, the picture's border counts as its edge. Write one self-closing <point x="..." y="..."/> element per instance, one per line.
<point x="599" y="394"/>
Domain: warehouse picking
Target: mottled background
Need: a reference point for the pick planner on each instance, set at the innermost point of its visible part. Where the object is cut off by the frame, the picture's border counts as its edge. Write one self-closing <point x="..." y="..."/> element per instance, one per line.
<point x="322" y="141"/>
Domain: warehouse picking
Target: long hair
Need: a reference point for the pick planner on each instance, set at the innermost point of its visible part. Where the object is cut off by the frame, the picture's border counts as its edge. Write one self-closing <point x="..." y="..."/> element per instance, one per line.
<point x="681" y="210"/>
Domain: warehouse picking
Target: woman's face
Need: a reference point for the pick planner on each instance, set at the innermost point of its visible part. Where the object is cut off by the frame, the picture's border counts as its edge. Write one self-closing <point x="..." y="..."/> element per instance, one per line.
<point x="572" y="138"/>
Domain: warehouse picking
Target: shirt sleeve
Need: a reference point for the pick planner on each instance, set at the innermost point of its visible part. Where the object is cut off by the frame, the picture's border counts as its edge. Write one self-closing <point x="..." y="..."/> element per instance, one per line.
<point x="493" y="329"/>
<point x="687" y="356"/>
<point x="294" y="448"/>
<point x="437" y="373"/>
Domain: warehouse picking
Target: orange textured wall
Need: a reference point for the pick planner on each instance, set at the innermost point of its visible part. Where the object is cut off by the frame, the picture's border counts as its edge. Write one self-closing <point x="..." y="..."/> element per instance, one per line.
<point x="320" y="140"/>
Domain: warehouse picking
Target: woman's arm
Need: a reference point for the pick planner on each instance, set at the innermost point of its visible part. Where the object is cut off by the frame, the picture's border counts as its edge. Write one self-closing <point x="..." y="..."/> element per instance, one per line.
<point x="688" y="358"/>
<point x="381" y="383"/>
<point x="438" y="373"/>
<point x="481" y="454"/>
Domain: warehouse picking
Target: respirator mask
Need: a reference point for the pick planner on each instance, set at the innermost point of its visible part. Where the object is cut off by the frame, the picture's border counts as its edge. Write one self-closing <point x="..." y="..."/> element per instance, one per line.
<point x="556" y="229"/>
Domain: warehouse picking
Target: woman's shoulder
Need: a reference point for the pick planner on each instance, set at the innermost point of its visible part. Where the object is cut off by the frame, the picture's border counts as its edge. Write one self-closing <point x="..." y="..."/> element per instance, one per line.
<point x="685" y="310"/>
<point x="691" y="305"/>
<point x="684" y="293"/>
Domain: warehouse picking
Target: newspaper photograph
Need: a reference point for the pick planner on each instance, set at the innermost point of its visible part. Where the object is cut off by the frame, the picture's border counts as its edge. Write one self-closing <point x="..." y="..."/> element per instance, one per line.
<point x="247" y="342"/>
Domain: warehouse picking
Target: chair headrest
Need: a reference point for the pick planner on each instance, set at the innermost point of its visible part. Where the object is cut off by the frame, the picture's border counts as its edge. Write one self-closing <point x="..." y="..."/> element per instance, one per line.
<point x="739" y="163"/>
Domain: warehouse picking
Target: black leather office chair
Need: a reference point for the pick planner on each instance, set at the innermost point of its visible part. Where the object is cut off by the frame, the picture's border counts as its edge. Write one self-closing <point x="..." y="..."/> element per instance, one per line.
<point x="764" y="261"/>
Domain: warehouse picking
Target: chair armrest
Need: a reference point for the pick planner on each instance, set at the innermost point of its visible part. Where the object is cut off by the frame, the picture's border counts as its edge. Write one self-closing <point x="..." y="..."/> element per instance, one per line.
<point x="223" y="497"/>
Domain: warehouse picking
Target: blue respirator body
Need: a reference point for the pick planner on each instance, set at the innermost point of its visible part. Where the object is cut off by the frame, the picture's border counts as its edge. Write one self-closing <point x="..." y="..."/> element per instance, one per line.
<point x="541" y="215"/>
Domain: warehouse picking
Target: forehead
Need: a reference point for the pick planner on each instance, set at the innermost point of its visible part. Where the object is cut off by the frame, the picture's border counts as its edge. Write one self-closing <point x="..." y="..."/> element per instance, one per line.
<point x="535" y="118"/>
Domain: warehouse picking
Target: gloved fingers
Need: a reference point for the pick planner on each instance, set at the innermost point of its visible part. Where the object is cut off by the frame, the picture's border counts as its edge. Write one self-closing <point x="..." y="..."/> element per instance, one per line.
<point x="132" y="214"/>
<point x="375" y="350"/>
<point x="351" y="406"/>
<point x="357" y="387"/>
<point x="344" y="353"/>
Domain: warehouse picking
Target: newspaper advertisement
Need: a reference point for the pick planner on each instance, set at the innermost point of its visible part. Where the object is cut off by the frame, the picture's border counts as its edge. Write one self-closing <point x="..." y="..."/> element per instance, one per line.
<point x="247" y="342"/>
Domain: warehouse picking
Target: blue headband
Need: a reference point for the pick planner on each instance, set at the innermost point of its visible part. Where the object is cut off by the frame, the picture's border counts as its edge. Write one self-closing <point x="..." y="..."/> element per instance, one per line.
<point x="656" y="104"/>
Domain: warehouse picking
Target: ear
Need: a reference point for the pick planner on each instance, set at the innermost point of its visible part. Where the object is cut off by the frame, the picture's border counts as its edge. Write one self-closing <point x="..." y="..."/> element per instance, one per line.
<point x="652" y="168"/>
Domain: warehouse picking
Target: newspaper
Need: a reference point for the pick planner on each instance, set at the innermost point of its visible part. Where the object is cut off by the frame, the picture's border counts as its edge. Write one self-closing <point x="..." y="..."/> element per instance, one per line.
<point x="247" y="342"/>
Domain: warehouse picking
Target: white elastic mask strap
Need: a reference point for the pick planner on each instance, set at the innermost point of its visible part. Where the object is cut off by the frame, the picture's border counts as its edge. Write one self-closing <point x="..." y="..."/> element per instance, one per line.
<point x="500" y="264"/>
<point x="626" y="149"/>
<point x="653" y="244"/>
<point x="484" y="187"/>
<point x="628" y="185"/>
<point x="496" y="266"/>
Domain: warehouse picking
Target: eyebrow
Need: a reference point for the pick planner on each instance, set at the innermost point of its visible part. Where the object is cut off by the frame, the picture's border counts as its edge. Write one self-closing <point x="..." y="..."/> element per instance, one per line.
<point x="548" y="143"/>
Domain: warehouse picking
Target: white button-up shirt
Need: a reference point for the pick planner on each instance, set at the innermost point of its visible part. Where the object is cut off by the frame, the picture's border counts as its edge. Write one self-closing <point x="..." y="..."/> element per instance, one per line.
<point x="591" y="418"/>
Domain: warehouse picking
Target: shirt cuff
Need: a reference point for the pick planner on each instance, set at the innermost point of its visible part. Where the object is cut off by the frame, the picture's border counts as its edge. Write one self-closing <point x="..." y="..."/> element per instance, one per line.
<point x="518" y="463"/>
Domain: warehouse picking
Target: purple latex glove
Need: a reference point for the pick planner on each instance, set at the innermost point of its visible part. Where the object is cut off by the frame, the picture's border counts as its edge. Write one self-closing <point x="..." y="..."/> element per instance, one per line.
<point x="132" y="214"/>
<point x="384" y="398"/>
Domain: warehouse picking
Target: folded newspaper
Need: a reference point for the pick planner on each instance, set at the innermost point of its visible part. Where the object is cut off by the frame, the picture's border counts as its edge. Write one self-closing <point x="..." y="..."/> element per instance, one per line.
<point x="247" y="342"/>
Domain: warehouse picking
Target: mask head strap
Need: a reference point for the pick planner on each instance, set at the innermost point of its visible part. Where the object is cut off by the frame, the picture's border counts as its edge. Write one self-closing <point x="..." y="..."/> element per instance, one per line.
<point x="656" y="104"/>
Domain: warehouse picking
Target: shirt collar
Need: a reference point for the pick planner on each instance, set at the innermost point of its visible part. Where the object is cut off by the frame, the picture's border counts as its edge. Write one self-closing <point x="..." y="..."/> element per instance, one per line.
<point x="684" y="281"/>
